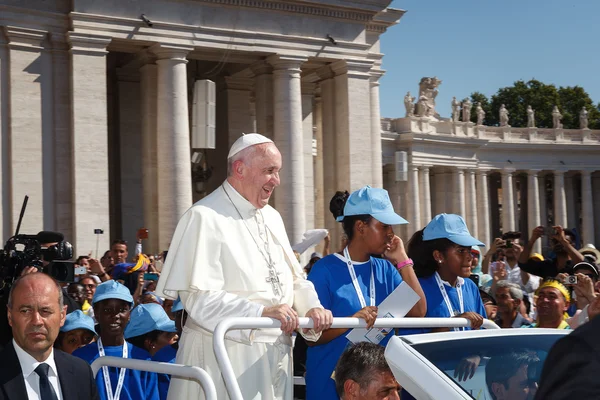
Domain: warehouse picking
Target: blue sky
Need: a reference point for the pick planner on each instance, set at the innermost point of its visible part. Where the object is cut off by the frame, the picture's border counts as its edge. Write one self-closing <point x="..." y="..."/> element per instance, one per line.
<point x="483" y="45"/>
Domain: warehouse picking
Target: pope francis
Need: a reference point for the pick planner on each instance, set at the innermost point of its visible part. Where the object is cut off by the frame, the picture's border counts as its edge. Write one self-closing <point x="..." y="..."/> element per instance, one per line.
<point x="230" y="257"/>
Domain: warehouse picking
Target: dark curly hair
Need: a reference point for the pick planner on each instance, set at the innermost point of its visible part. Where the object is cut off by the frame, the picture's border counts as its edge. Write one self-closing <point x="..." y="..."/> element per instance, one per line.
<point x="139" y="341"/>
<point x="421" y="253"/>
<point x="336" y="206"/>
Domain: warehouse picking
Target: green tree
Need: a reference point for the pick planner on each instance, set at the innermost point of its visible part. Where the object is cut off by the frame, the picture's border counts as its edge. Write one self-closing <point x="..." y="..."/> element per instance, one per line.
<point x="542" y="98"/>
<point x="572" y="100"/>
<point x="516" y="98"/>
<point x="480" y="98"/>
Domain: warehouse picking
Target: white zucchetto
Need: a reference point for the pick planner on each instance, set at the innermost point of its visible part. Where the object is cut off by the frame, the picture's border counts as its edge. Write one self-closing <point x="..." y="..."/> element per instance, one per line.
<point x="246" y="141"/>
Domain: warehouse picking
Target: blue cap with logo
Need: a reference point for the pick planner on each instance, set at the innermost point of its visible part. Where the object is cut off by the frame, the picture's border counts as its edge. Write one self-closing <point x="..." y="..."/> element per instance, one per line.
<point x="147" y="318"/>
<point x="177" y="305"/>
<point x="112" y="290"/>
<point x="78" y="320"/>
<point x="451" y="227"/>
<point x="374" y="202"/>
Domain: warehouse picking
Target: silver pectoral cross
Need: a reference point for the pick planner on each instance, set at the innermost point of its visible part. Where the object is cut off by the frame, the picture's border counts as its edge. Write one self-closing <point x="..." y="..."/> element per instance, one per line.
<point x="273" y="279"/>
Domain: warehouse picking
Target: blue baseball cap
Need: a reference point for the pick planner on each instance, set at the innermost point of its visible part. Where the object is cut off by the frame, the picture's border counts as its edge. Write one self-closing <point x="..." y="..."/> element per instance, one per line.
<point x="112" y="290"/>
<point x="147" y="318"/>
<point x="177" y="305"/>
<point x="78" y="320"/>
<point x="451" y="227"/>
<point x="374" y="202"/>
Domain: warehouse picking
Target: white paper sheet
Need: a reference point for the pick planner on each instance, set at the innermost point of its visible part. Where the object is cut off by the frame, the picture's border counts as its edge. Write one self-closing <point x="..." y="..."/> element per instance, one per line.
<point x="396" y="305"/>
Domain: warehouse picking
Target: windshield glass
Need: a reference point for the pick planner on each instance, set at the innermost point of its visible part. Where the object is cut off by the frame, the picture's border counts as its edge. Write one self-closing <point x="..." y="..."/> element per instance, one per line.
<point x="508" y="365"/>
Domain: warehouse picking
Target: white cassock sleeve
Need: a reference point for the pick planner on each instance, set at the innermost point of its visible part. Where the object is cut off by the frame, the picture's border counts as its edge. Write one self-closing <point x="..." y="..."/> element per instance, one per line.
<point x="207" y="308"/>
<point x="305" y="298"/>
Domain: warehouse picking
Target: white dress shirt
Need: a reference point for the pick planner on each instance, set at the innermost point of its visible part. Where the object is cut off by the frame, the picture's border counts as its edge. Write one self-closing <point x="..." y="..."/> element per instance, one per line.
<point x="32" y="379"/>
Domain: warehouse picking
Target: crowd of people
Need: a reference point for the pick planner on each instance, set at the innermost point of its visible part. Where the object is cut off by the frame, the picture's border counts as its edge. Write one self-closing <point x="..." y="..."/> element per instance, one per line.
<point x="230" y="257"/>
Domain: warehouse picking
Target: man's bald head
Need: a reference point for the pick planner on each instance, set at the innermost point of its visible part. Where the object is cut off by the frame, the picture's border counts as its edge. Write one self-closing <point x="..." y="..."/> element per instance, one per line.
<point x="35" y="277"/>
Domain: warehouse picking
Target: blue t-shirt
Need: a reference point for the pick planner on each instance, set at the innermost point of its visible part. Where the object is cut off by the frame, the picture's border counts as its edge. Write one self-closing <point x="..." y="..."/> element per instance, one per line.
<point x="137" y="384"/>
<point x="166" y="354"/>
<point x="436" y="306"/>
<point x="336" y="293"/>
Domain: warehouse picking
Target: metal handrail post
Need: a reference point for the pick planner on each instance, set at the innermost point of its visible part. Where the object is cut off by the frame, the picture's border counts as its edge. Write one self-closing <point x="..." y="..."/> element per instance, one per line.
<point x="184" y="371"/>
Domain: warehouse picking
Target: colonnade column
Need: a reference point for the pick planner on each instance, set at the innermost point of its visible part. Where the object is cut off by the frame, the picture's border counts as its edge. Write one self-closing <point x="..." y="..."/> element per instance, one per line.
<point x="328" y="144"/>
<point x="440" y="191"/>
<point x="471" y="217"/>
<point x="508" y="205"/>
<point x="483" y="207"/>
<point x="533" y="206"/>
<point x="148" y="93"/>
<point x="288" y="135"/>
<point x="308" y="94"/>
<point x="353" y="123"/>
<point x="263" y="94"/>
<point x="89" y="141"/>
<point x="173" y="139"/>
<point x="5" y="206"/>
<point x="376" y="156"/>
<point x="318" y="164"/>
<point x="572" y="214"/>
<point x="458" y="178"/>
<point x="62" y="135"/>
<point x="27" y="144"/>
<point x="560" y="200"/>
<point x="414" y="201"/>
<point x="587" y="207"/>
<point x="596" y="203"/>
<point x="424" y="186"/>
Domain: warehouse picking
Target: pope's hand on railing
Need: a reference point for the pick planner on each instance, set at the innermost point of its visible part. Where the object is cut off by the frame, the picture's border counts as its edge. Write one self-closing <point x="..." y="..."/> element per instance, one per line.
<point x="322" y="319"/>
<point x="285" y="314"/>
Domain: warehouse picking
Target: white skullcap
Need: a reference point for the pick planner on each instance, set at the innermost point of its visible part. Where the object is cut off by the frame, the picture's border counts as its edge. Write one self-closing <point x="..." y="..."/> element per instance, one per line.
<point x="246" y="141"/>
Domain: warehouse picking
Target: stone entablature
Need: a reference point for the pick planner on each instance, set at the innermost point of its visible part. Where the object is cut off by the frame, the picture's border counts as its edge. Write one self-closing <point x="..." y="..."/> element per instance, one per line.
<point x="491" y="133"/>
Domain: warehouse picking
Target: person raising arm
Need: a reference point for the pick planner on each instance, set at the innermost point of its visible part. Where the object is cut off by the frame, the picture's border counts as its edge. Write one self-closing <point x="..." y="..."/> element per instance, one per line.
<point x="354" y="282"/>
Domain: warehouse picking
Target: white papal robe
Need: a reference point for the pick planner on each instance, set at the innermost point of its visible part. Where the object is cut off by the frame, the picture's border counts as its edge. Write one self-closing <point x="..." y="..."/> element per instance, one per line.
<point x="214" y="264"/>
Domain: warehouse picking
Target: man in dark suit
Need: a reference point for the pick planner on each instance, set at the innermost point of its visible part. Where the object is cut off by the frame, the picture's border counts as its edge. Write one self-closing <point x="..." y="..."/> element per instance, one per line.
<point x="30" y="367"/>
<point x="571" y="369"/>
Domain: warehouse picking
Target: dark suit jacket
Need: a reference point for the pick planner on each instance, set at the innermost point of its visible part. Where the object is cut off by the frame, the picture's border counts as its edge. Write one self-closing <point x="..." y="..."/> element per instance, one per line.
<point x="571" y="369"/>
<point x="75" y="376"/>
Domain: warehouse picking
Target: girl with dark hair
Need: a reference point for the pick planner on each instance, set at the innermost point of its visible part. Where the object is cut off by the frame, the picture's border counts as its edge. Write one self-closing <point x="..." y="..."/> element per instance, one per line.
<point x="353" y="283"/>
<point x="442" y="256"/>
<point x="150" y="328"/>
<point x="78" y="331"/>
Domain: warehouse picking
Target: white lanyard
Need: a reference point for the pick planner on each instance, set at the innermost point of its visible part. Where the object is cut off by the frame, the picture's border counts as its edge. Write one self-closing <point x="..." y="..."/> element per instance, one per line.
<point x="359" y="292"/>
<point x="107" y="385"/>
<point x="447" y="299"/>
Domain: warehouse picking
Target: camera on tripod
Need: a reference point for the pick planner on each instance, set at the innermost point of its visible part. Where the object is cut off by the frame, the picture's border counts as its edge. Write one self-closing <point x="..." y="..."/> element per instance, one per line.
<point x="21" y="251"/>
<point x="47" y="251"/>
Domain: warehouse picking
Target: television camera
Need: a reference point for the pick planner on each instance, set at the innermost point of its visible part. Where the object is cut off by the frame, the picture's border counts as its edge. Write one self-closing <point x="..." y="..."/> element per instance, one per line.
<point x="47" y="251"/>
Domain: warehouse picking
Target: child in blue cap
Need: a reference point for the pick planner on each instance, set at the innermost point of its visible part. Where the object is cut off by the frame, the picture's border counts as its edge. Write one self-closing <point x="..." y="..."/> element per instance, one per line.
<point x="168" y="353"/>
<point x="78" y="331"/>
<point x="353" y="283"/>
<point x="150" y="328"/>
<point x="112" y="304"/>
<point x="443" y="260"/>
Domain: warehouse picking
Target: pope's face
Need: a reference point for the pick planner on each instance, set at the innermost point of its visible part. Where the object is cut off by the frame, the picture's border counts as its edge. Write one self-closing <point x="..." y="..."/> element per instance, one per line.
<point x="261" y="175"/>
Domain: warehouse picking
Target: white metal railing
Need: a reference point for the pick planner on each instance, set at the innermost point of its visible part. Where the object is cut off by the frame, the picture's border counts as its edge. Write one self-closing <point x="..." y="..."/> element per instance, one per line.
<point x="184" y="371"/>
<point x="252" y="323"/>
